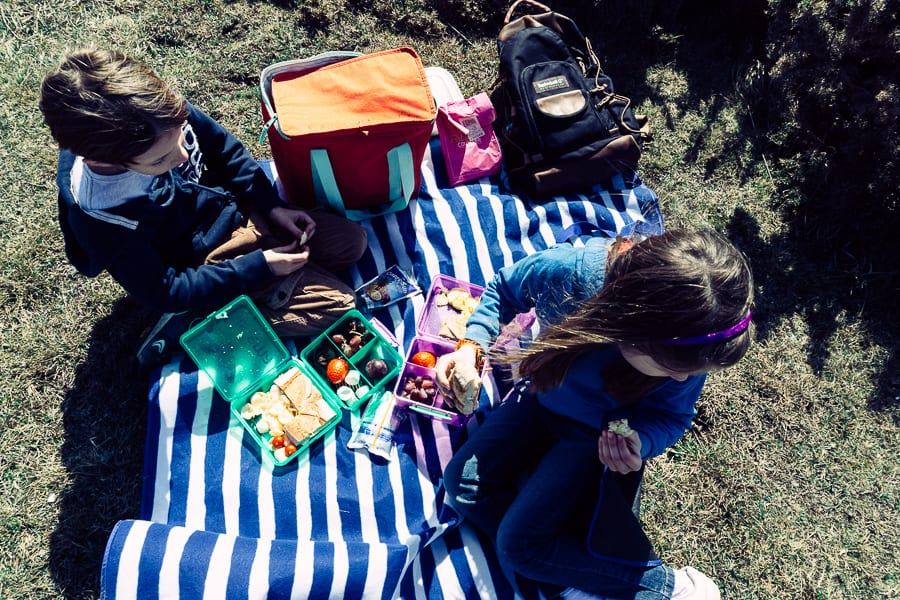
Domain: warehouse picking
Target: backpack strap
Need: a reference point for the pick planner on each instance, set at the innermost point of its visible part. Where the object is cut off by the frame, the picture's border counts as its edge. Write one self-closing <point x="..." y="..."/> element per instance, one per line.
<point x="512" y="8"/>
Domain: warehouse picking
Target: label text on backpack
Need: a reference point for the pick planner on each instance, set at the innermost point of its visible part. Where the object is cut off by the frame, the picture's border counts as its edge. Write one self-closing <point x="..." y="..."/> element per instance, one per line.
<point x="551" y="83"/>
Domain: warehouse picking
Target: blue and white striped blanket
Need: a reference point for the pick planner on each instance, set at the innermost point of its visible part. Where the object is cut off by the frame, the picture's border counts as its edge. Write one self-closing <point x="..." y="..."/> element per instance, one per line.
<point x="217" y="522"/>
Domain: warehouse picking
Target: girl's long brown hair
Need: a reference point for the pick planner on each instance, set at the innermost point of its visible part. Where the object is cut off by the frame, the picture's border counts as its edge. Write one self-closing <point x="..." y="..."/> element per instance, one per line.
<point x="678" y="284"/>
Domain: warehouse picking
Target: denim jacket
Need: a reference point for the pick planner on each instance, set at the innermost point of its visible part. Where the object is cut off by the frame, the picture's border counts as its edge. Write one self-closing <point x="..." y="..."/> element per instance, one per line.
<point x="553" y="282"/>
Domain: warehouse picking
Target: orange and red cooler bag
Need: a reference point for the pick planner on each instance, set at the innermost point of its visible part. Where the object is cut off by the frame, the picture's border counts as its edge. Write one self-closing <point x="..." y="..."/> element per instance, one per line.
<point x="349" y="131"/>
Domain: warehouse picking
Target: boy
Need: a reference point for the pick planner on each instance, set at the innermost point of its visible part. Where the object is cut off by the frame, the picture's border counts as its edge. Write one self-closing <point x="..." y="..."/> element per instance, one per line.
<point x="158" y="194"/>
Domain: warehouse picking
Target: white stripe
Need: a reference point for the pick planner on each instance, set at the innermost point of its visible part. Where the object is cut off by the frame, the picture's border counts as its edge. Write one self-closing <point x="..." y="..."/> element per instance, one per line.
<point x="482" y="250"/>
<point x="496" y="205"/>
<point x="478" y="566"/>
<point x="403" y="533"/>
<point x="524" y="223"/>
<point x="195" y="516"/>
<point x="377" y="573"/>
<point x="303" y="570"/>
<point x="130" y="561"/>
<point x="231" y="475"/>
<point x="258" y="586"/>
<point x="301" y="497"/>
<point x="451" y="231"/>
<point x="168" y="413"/>
<point x="632" y="208"/>
<point x="428" y="494"/>
<point x="216" y="582"/>
<point x="168" y="570"/>
<point x="445" y="570"/>
<point x="419" y="582"/>
<point x="102" y="215"/>
<point x="365" y="486"/>
<point x="332" y="508"/>
<point x="266" y="501"/>
<point x="340" y="570"/>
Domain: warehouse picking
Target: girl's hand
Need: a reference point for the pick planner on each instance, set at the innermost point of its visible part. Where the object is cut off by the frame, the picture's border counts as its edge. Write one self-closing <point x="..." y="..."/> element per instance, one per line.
<point x="284" y="260"/>
<point x="466" y="355"/>
<point x="296" y="222"/>
<point x="621" y="454"/>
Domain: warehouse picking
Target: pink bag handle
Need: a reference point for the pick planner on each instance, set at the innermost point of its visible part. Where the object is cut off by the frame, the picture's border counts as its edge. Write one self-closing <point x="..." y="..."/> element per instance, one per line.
<point x="452" y="121"/>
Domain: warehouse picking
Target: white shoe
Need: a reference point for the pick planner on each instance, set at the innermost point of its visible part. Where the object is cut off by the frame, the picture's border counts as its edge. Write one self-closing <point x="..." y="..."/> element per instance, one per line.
<point x="691" y="584"/>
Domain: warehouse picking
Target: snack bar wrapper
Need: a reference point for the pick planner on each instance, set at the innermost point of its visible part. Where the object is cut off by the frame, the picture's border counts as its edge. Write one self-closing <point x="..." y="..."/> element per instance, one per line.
<point x="389" y="287"/>
<point x="377" y="426"/>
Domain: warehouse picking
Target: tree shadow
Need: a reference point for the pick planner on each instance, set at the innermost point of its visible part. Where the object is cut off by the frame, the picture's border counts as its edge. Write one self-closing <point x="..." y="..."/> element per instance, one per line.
<point x="103" y="437"/>
<point x="832" y="266"/>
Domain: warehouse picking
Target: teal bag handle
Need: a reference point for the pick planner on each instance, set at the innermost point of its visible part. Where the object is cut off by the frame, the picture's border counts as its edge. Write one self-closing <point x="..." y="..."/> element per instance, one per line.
<point x="401" y="182"/>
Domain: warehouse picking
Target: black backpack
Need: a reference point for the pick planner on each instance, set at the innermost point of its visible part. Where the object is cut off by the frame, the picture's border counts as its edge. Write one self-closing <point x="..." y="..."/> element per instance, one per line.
<point x="562" y="127"/>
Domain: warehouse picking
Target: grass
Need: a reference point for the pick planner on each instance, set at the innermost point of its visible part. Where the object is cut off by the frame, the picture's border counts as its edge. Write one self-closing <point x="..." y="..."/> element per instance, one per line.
<point x="788" y="486"/>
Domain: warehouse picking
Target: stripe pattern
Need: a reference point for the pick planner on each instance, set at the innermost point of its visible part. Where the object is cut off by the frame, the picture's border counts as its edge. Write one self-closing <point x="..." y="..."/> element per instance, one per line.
<point x="218" y="522"/>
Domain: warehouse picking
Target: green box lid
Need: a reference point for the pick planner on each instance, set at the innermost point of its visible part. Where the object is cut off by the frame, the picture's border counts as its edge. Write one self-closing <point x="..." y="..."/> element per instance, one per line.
<point x="236" y="348"/>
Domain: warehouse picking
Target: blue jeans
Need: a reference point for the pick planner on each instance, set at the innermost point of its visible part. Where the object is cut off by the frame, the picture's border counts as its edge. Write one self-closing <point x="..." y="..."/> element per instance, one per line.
<point x="529" y="479"/>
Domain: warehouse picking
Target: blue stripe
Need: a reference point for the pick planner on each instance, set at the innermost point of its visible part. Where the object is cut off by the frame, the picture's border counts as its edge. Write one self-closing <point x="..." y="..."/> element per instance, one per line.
<point x="112" y="556"/>
<point x="282" y="563"/>
<point x="358" y="555"/>
<point x="248" y="511"/>
<point x="242" y="557"/>
<point x="284" y="494"/>
<point x="179" y="475"/>
<point x="323" y="561"/>
<point x="194" y="565"/>
<point x="151" y="559"/>
<point x="217" y="434"/>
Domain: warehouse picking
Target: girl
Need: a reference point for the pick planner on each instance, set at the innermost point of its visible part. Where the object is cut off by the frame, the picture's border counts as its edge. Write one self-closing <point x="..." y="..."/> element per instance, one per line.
<point x="625" y="334"/>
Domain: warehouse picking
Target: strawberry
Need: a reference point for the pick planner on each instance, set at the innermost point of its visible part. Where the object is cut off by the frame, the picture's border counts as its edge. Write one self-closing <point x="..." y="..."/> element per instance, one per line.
<point x="424" y="359"/>
<point x="336" y="370"/>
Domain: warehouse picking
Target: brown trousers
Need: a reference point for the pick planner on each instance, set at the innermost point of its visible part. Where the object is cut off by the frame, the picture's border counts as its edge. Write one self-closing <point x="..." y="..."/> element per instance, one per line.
<point x="307" y="301"/>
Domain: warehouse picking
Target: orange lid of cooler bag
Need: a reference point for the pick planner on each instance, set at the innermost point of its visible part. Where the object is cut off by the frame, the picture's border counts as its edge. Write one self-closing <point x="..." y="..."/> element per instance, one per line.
<point x="382" y="88"/>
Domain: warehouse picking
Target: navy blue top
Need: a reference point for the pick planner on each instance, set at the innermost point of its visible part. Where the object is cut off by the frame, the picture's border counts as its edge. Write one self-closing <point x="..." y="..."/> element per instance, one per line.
<point x="154" y="244"/>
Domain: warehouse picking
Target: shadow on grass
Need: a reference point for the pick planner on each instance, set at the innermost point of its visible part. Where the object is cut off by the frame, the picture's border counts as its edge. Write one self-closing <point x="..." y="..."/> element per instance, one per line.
<point x="834" y="265"/>
<point x="104" y="425"/>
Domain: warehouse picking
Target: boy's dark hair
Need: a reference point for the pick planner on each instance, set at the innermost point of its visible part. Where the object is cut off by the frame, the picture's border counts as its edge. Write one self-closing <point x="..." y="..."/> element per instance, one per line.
<point x="106" y="106"/>
<point x="678" y="284"/>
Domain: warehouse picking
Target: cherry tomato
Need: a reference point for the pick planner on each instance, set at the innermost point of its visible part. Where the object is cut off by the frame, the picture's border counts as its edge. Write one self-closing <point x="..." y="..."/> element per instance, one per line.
<point x="278" y="441"/>
<point x="424" y="359"/>
<point x="289" y="449"/>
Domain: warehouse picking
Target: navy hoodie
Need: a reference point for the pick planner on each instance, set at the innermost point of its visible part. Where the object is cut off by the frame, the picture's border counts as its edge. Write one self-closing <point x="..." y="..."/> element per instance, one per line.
<point x="154" y="245"/>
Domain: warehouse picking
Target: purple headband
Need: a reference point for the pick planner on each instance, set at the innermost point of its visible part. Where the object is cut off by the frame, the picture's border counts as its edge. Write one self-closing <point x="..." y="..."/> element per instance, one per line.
<point x="711" y="337"/>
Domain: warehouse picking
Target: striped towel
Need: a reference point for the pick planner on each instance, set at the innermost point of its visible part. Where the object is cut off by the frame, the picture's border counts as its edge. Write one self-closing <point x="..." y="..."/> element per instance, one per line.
<point x="218" y="522"/>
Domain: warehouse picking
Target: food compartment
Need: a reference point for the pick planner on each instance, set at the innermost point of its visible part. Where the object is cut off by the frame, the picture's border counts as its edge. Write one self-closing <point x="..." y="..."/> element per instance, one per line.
<point x="416" y="388"/>
<point x="270" y="393"/>
<point x="287" y="414"/>
<point x="449" y="304"/>
<point x="352" y="334"/>
<point x="347" y="360"/>
<point x="416" y="385"/>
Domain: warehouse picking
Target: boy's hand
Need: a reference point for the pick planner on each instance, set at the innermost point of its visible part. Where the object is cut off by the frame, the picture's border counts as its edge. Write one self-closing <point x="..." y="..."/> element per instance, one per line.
<point x="621" y="454"/>
<point x="284" y="260"/>
<point x="296" y="222"/>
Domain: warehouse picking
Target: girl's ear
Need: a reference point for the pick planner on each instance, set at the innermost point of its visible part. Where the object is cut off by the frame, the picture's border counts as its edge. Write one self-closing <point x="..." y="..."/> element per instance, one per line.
<point x="618" y="248"/>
